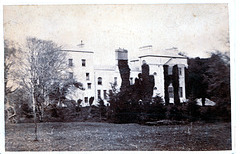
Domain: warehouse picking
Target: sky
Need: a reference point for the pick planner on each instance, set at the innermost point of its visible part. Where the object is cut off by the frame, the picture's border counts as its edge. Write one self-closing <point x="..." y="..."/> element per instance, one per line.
<point x="195" y="29"/>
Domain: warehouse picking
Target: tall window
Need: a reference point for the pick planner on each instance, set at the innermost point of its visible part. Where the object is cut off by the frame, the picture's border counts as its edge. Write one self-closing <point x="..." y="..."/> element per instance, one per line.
<point x="99" y="81"/>
<point x="83" y="62"/>
<point x="86" y="99"/>
<point x="87" y="76"/>
<point x="70" y="75"/>
<point x="105" y="94"/>
<point x="131" y="81"/>
<point x="70" y="62"/>
<point x="115" y="80"/>
<point x="170" y="92"/>
<point x="89" y="85"/>
<point x="179" y="71"/>
<point x="99" y="94"/>
<point x="180" y="92"/>
<point x="170" y="69"/>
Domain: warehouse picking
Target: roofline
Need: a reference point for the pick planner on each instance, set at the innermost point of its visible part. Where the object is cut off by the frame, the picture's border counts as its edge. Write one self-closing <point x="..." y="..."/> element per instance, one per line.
<point x="133" y="60"/>
<point x="162" y="56"/>
<point x="78" y="51"/>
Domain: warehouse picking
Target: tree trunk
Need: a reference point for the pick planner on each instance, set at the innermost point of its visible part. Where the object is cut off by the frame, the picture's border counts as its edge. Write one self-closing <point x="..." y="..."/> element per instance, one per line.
<point x="35" y="116"/>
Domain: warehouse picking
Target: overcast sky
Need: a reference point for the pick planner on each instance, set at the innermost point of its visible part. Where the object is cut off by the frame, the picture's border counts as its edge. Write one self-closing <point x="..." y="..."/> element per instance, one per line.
<point x="193" y="29"/>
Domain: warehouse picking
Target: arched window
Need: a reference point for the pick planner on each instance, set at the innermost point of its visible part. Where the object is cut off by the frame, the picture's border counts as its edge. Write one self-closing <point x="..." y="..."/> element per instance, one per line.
<point x="144" y="62"/>
<point x="99" y="81"/>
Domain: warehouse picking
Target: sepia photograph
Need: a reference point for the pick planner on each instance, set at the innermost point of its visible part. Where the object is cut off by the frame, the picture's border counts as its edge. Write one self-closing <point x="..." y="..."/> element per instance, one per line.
<point x="117" y="77"/>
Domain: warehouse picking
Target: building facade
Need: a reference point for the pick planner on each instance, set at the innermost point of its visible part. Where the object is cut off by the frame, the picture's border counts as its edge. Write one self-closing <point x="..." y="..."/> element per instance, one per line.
<point x="97" y="80"/>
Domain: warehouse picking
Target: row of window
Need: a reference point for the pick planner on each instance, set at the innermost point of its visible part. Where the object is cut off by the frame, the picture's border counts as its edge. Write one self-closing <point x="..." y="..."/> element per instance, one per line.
<point x="105" y="94"/>
<point x="170" y="72"/>
<point x="87" y="75"/>
<point x="171" y="92"/>
<point x="88" y="78"/>
<point x="170" y="88"/>
<point x="100" y="80"/>
<point x="70" y="62"/>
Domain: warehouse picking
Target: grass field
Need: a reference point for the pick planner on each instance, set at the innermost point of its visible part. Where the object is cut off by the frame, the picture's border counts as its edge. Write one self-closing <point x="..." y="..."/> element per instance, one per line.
<point x="89" y="136"/>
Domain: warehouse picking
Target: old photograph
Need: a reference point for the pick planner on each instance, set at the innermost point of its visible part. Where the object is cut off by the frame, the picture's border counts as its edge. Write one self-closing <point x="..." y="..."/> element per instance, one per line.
<point x="117" y="77"/>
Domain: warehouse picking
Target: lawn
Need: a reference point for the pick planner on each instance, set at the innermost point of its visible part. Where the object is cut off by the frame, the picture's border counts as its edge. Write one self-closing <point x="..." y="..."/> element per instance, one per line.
<point x="91" y="136"/>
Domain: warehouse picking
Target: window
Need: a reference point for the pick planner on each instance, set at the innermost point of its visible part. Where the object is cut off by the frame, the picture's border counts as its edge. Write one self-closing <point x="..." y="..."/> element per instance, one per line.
<point x="86" y="99"/>
<point x="144" y="62"/>
<point x="99" y="94"/>
<point x="89" y="85"/>
<point x="70" y="75"/>
<point x="170" y="68"/>
<point x="87" y="76"/>
<point x="179" y="71"/>
<point x="105" y="94"/>
<point x="180" y="92"/>
<point x="131" y="81"/>
<point x="70" y="62"/>
<point x="83" y="62"/>
<point x="99" y="81"/>
<point x="115" y="80"/>
<point x="154" y="73"/>
<point x="170" y="92"/>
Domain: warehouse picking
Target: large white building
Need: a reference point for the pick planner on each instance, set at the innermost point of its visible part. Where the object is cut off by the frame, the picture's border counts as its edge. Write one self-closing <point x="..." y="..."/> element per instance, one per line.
<point x="97" y="79"/>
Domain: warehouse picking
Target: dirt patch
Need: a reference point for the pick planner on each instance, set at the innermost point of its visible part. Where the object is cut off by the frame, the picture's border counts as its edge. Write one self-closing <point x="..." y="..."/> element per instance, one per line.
<point x="90" y="136"/>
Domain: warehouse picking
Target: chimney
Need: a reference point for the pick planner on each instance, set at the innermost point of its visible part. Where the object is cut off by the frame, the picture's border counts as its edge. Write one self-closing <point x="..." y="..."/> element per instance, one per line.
<point x="121" y="54"/>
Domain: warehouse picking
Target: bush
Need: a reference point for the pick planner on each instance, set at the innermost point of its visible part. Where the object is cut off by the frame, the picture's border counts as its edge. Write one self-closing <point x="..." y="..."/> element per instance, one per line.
<point x="176" y="113"/>
<point x="209" y="114"/>
<point x="192" y="110"/>
<point x="124" y="109"/>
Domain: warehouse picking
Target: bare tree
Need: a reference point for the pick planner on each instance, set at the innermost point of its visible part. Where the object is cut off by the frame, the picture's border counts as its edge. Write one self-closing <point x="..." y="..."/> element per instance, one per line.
<point x="11" y="52"/>
<point x="44" y="64"/>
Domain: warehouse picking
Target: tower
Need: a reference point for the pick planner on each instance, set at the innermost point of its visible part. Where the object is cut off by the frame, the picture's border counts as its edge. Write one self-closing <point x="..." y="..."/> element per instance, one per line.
<point x="122" y="62"/>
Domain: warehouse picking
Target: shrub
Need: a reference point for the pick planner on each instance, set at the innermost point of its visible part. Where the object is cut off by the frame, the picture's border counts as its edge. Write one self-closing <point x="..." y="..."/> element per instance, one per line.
<point x="192" y="110"/>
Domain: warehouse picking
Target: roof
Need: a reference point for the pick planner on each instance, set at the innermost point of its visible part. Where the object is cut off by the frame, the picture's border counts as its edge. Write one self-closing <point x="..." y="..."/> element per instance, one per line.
<point x="134" y="60"/>
<point x="78" y="51"/>
<point x="181" y="57"/>
<point x="165" y="53"/>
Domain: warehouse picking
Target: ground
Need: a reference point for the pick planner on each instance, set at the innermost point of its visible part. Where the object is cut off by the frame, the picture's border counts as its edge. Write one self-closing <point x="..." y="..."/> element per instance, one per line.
<point x="91" y="136"/>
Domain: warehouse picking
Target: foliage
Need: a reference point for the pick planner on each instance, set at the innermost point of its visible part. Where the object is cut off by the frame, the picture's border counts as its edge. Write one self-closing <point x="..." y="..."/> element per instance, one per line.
<point x="218" y="77"/>
<point x="43" y="65"/>
<point x="197" y="86"/>
<point x="22" y="101"/>
<point x="210" y="78"/>
<point x="193" y="110"/>
<point x="11" y="59"/>
<point x="125" y="109"/>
